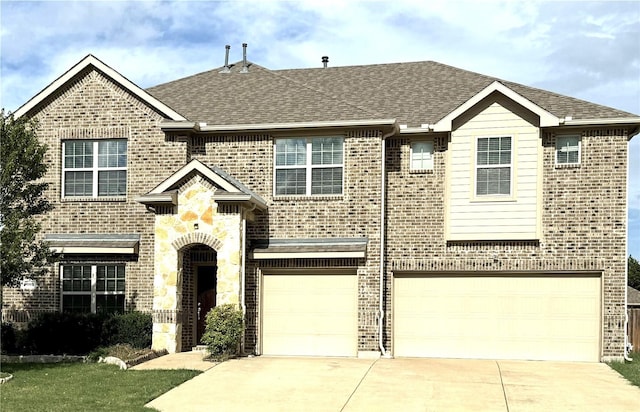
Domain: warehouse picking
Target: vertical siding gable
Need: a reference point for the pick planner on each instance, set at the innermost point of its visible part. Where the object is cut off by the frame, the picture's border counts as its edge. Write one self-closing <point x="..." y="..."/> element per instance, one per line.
<point x="514" y="217"/>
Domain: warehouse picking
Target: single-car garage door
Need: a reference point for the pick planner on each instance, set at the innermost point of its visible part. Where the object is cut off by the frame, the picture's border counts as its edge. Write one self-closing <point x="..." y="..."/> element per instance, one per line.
<point x="309" y="314"/>
<point x="546" y="317"/>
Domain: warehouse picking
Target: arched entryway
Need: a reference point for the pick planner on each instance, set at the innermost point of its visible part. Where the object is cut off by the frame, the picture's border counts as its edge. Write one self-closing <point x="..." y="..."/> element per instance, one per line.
<point x="199" y="288"/>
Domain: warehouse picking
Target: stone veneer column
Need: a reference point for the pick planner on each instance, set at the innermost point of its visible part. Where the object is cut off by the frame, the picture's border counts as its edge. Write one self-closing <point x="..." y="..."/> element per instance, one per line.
<point x="174" y="233"/>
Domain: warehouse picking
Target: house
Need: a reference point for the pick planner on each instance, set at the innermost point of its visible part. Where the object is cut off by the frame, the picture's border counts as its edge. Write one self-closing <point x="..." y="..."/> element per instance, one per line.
<point x="410" y="210"/>
<point x="633" y="298"/>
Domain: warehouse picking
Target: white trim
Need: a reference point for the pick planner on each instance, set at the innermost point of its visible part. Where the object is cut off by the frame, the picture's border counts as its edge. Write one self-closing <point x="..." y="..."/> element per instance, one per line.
<point x="577" y="136"/>
<point x="195" y="164"/>
<point x="546" y="119"/>
<point x="308" y="166"/>
<point x="91" y="60"/>
<point x="203" y="127"/>
<point x="421" y="141"/>
<point x="95" y="169"/>
<point x="94" y="292"/>
<point x="510" y="165"/>
<point x="607" y="121"/>
<point x="360" y="254"/>
<point x="90" y="250"/>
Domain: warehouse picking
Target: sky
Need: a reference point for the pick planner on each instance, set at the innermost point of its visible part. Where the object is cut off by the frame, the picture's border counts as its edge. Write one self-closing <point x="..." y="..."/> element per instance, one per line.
<point x="587" y="50"/>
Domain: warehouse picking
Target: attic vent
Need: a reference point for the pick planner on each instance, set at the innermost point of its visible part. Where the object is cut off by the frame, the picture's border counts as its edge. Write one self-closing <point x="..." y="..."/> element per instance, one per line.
<point x="245" y="67"/>
<point x="227" y="68"/>
<point x="325" y="61"/>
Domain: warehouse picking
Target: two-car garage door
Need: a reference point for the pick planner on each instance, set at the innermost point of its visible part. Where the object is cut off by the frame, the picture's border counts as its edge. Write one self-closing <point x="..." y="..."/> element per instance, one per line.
<point x="546" y="317"/>
<point x="310" y="314"/>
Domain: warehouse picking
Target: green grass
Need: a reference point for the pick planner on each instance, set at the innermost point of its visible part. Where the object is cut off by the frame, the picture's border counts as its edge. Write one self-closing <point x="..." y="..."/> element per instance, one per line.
<point x="84" y="387"/>
<point x="630" y="370"/>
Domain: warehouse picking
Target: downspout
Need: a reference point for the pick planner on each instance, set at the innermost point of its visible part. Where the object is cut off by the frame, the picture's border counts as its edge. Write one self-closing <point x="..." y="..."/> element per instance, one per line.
<point x="383" y="184"/>
<point x="626" y="272"/>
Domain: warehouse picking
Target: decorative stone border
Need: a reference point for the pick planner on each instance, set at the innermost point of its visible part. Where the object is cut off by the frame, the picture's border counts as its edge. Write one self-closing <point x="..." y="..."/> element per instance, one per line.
<point x="41" y="358"/>
<point x="6" y="379"/>
<point x="112" y="360"/>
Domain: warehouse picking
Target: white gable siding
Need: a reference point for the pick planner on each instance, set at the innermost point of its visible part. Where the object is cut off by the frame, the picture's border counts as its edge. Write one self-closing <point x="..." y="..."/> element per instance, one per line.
<point x="514" y="217"/>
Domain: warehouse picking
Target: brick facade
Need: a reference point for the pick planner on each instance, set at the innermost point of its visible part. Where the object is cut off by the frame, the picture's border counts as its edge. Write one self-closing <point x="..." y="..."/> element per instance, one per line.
<point x="583" y="216"/>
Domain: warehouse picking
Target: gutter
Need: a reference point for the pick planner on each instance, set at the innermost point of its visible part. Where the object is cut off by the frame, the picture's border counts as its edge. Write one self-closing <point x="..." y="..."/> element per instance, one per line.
<point x="383" y="196"/>
<point x="174" y="126"/>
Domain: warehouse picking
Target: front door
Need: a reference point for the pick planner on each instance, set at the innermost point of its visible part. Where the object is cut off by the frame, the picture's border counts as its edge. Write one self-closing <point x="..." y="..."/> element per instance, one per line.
<point x="206" y="296"/>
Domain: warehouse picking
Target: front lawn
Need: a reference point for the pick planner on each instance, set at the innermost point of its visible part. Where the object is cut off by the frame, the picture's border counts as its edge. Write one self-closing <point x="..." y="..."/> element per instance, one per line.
<point x="630" y="370"/>
<point x="84" y="387"/>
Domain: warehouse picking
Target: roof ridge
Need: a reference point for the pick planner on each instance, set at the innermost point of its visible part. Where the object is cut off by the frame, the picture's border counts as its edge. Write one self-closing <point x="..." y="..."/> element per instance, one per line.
<point x="211" y="71"/>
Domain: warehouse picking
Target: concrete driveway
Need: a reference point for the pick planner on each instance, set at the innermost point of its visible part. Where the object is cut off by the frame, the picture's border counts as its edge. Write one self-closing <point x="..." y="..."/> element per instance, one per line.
<point x="338" y="384"/>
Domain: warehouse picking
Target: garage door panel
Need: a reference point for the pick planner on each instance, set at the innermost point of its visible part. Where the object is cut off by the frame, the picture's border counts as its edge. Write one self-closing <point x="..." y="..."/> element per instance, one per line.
<point x="309" y="315"/>
<point x="503" y="317"/>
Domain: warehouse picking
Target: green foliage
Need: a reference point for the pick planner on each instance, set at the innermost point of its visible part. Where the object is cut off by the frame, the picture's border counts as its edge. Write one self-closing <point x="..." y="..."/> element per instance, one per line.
<point x="223" y="331"/>
<point x="634" y="272"/>
<point x="21" y="198"/>
<point x="78" y="333"/>
<point x="64" y="333"/>
<point x="630" y="370"/>
<point x="7" y="338"/>
<point x="84" y="387"/>
<point x="134" y="328"/>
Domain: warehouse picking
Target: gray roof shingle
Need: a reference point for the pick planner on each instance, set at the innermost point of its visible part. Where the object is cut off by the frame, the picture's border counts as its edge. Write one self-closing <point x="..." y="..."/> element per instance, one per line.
<point x="413" y="93"/>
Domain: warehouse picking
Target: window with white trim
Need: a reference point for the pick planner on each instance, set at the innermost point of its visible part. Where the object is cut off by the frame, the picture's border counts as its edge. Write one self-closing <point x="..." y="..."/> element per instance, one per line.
<point x="94" y="168"/>
<point x="309" y="166"/>
<point x="493" y="166"/>
<point x="92" y="288"/>
<point x="568" y="150"/>
<point x="421" y="155"/>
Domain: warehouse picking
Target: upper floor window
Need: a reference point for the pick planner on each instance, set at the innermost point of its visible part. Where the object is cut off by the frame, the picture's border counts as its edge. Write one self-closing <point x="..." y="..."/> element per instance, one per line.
<point x="94" y="168"/>
<point x="493" y="166"/>
<point x="93" y="288"/>
<point x="567" y="150"/>
<point x="309" y="166"/>
<point x="421" y="155"/>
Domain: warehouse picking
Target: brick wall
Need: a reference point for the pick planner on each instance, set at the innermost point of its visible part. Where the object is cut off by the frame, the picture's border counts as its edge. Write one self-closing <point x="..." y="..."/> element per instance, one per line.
<point x="583" y="220"/>
<point x="93" y="107"/>
<point x="354" y="214"/>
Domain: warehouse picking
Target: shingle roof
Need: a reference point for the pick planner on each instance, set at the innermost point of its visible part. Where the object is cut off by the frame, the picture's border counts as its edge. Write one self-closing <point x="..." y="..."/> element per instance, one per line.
<point x="633" y="296"/>
<point x="413" y="93"/>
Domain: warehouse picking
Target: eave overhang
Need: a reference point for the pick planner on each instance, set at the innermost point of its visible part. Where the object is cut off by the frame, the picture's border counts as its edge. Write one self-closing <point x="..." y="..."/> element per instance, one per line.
<point x="230" y="189"/>
<point x="197" y="127"/>
<point x="95" y="243"/>
<point x="326" y="248"/>
<point x="445" y="124"/>
<point x="125" y="83"/>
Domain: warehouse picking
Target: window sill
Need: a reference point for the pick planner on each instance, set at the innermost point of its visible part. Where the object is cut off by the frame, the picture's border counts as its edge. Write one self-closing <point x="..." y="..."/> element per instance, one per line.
<point x="421" y="171"/>
<point x="568" y="165"/>
<point x="493" y="199"/>
<point x="94" y="199"/>
<point x="312" y="198"/>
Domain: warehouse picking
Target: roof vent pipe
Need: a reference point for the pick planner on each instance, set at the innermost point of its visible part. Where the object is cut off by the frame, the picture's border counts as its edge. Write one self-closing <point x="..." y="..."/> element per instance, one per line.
<point x="227" y="68"/>
<point x="325" y="61"/>
<point x="245" y="68"/>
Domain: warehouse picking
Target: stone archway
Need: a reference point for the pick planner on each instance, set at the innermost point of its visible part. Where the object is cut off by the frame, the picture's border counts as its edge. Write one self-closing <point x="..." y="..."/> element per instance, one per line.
<point x="196" y="221"/>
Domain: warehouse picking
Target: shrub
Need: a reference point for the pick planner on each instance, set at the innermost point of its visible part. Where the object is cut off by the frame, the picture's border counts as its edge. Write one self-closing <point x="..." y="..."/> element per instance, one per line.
<point x="80" y="333"/>
<point x="64" y="333"/>
<point x="133" y="328"/>
<point x="223" y="331"/>
<point x="7" y="338"/>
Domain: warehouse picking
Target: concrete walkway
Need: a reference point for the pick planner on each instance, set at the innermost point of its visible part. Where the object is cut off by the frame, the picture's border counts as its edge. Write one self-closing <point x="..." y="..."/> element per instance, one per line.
<point x="340" y="384"/>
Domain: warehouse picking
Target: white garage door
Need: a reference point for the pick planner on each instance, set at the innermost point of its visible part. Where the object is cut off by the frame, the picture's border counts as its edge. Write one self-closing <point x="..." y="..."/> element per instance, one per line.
<point x="309" y="314"/>
<point x="497" y="317"/>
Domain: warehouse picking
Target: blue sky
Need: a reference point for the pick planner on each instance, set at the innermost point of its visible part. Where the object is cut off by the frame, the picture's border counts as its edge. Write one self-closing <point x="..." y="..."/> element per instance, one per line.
<point x="588" y="50"/>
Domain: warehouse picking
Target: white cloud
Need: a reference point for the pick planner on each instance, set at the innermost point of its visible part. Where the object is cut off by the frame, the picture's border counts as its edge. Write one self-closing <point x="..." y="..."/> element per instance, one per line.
<point x="589" y="50"/>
